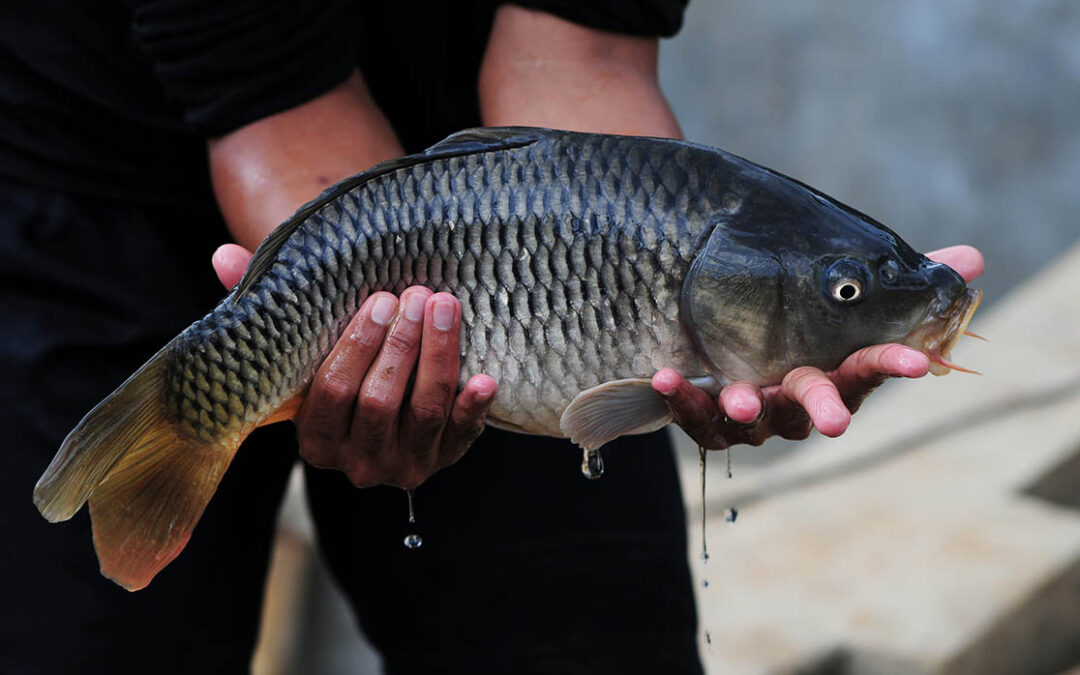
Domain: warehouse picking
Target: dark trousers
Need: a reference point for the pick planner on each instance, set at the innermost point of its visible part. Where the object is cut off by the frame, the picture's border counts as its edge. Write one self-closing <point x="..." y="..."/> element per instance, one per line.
<point x="525" y="567"/>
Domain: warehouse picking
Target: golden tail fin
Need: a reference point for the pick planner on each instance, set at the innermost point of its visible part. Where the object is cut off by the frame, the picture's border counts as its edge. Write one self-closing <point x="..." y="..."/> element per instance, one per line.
<point x="148" y="479"/>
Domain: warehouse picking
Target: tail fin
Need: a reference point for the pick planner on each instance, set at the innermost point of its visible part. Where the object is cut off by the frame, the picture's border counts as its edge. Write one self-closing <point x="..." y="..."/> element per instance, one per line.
<point x="147" y="478"/>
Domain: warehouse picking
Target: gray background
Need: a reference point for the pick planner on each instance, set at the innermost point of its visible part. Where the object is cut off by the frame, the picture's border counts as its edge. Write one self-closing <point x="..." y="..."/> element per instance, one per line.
<point x="950" y="121"/>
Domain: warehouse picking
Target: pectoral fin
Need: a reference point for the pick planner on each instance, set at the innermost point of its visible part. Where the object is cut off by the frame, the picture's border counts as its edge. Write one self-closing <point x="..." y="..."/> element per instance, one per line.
<point x="613" y="409"/>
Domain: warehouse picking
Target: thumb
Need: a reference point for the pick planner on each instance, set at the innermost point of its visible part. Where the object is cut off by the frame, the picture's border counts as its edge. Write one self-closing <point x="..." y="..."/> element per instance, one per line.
<point x="230" y="262"/>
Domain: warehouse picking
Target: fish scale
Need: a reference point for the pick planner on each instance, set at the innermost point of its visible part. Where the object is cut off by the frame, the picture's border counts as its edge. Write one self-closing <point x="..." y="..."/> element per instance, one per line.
<point x="551" y="260"/>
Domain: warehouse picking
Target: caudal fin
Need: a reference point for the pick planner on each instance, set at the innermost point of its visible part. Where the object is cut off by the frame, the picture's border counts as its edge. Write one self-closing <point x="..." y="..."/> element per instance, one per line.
<point x="147" y="478"/>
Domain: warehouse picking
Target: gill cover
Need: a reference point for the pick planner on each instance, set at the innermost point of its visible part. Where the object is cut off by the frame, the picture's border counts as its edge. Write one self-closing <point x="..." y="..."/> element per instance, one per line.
<point x="732" y="305"/>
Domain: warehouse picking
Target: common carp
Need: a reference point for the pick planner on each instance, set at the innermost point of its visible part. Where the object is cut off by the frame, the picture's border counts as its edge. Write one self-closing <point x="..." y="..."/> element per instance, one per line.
<point x="584" y="263"/>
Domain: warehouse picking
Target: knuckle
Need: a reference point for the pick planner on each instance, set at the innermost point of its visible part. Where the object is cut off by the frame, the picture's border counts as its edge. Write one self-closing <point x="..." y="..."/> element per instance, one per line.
<point x="429" y="414"/>
<point x="336" y="389"/>
<point x="370" y="439"/>
<point x="362" y="474"/>
<point x="317" y="455"/>
<point x="818" y="389"/>
<point x="800" y="374"/>
<point x="400" y="342"/>
<point x="412" y="477"/>
<point x="314" y="441"/>
<point x="375" y="409"/>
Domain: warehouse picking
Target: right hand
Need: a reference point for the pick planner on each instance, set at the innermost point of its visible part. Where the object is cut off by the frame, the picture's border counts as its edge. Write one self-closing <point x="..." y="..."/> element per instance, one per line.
<point x="355" y="416"/>
<point x="807" y="398"/>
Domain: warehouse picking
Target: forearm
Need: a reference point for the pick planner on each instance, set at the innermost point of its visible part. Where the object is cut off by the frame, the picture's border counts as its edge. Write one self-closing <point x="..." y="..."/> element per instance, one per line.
<point x="540" y="70"/>
<point x="263" y="171"/>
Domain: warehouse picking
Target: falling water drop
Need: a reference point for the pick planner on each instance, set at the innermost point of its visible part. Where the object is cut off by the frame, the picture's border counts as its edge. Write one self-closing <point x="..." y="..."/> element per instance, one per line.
<point x="730" y="514"/>
<point x="728" y="453"/>
<point x="708" y="640"/>
<point x="412" y="540"/>
<point x="592" y="464"/>
<point x="704" y="583"/>
<point x="701" y="464"/>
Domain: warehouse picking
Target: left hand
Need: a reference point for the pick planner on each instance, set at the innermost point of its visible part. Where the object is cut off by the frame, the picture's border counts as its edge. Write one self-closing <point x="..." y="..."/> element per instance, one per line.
<point x="807" y="398"/>
<point x="360" y="415"/>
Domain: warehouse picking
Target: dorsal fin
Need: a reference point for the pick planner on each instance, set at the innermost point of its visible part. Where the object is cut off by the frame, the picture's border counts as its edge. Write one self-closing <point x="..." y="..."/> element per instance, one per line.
<point x="465" y="142"/>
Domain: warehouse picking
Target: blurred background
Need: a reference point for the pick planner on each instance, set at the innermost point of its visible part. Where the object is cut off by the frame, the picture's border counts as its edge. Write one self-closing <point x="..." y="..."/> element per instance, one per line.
<point x="942" y="533"/>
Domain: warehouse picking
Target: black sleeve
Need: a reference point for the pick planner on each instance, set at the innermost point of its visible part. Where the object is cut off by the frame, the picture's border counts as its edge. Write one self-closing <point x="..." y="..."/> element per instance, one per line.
<point x="660" y="18"/>
<point x="229" y="62"/>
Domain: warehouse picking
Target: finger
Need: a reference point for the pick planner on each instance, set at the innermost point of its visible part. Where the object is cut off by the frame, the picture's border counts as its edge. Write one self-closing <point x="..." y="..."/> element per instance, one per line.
<point x="466" y="419"/>
<point x="378" y="404"/>
<point x="436" y="384"/>
<point x="812" y="391"/>
<point x="326" y="413"/>
<point x="693" y="409"/>
<point x="868" y="368"/>
<point x="230" y="262"/>
<point x="742" y="402"/>
<point x="966" y="260"/>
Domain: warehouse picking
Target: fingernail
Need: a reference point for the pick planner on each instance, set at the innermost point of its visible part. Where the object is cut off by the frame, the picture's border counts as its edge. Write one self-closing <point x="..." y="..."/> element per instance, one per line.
<point x="442" y="314"/>
<point x="913" y="360"/>
<point x="383" y="310"/>
<point x="483" y="397"/>
<point x="664" y="384"/>
<point x="414" y="306"/>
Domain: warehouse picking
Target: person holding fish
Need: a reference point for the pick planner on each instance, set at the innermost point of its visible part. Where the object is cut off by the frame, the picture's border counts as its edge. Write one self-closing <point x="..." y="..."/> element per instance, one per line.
<point x="525" y="565"/>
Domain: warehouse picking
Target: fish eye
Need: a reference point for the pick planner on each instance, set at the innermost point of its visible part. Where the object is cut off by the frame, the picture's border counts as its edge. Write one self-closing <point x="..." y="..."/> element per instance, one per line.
<point x="845" y="281"/>
<point x="847" y="290"/>
<point x="889" y="271"/>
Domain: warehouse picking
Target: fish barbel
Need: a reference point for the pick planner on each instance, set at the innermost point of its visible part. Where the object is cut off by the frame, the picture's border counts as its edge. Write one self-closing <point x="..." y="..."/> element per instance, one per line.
<point x="584" y="263"/>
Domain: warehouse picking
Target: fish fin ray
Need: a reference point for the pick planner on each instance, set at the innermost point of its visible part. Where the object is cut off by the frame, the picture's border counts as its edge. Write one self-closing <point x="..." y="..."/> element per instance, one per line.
<point x="145" y="510"/>
<point x="100" y="440"/>
<point x="486" y="139"/>
<point x="464" y="142"/>
<point x="612" y="409"/>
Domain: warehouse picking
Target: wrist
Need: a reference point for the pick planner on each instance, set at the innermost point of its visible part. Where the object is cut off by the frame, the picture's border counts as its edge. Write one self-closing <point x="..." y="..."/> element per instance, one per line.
<point x="264" y="171"/>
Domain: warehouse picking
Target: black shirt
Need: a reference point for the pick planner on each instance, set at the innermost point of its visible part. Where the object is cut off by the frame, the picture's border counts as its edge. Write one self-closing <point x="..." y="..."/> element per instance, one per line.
<point x="114" y="99"/>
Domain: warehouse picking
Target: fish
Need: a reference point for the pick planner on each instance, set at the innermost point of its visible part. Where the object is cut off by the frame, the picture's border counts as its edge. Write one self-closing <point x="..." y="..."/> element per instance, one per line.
<point x="584" y="263"/>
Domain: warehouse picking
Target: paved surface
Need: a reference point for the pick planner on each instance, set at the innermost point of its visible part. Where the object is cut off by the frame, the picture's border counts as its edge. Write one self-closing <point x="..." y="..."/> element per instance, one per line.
<point x="940" y="535"/>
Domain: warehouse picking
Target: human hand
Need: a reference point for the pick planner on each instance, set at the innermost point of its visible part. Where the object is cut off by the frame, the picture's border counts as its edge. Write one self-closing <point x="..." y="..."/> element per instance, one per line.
<point x="355" y="417"/>
<point x="807" y="398"/>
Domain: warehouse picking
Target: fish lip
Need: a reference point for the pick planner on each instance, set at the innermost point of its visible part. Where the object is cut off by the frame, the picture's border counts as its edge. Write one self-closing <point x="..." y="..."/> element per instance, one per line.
<point x="938" y="333"/>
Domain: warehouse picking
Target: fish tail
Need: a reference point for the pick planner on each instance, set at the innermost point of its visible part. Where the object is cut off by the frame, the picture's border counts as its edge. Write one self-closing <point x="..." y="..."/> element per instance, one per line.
<point x="147" y="477"/>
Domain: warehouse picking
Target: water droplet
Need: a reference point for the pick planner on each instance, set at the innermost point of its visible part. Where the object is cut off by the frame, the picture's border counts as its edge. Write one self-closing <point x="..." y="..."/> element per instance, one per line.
<point x="730" y="514"/>
<point x="413" y="540"/>
<point x="592" y="464"/>
<point x="708" y="640"/>
<point x="728" y="453"/>
<point x="412" y="512"/>
<point x="702" y="454"/>
<point x="704" y="583"/>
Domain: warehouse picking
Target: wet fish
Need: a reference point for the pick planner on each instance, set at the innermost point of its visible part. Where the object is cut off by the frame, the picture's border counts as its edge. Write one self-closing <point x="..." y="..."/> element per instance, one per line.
<point x="584" y="263"/>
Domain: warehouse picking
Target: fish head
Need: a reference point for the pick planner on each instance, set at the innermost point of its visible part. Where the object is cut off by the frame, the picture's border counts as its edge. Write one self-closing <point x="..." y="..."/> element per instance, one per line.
<point x="797" y="279"/>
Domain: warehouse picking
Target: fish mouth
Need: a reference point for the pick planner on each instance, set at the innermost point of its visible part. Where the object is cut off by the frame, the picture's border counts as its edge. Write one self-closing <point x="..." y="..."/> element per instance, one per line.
<point x="940" y="331"/>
